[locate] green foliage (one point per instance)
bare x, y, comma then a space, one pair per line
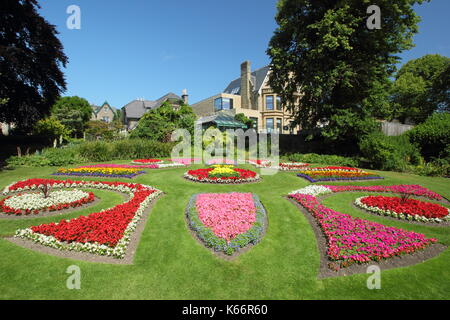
73, 112
323, 159
158, 124
101, 130
51, 128
421, 88
48, 157
342, 67
389, 153
433, 136
124, 149
243, 118
31, 59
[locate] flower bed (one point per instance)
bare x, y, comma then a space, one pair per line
147, 161
408, 209
36, 202
285, 166
105, 233
226, 222
135, 166
100, 171
352, 240
336, 174
221, 161
222, 174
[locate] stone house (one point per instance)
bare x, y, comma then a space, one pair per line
103, 113
251, 95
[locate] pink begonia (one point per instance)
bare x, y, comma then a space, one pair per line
412, 189
226, 214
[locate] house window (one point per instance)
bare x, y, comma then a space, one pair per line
269, 124
255, 123
223, 104
269, 103
279, 107
279, 125
105, 119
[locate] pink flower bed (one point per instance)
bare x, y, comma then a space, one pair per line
352, 240
186, 161
128, 166
226, 214
412, 189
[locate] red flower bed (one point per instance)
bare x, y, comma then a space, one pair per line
106, 227
147, 160
203, 174
409, 206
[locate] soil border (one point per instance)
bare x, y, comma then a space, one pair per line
394, 262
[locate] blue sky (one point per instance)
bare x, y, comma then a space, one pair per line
146, 48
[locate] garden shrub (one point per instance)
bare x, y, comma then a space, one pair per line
95, 150
389, 152
433, 136
48, 157
323, 159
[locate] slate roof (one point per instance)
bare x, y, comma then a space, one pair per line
257, 80
137, 108
222, 119
96, 108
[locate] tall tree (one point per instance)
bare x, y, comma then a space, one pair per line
73, 112
324, 50
421, 88
31, 57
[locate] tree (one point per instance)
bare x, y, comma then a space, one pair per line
422, 87
73, 112
324, 50
158, 124
96, 129
31, 57
51, 128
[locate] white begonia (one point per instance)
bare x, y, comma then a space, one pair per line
313, 190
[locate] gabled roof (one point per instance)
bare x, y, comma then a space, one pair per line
96, 108
137, 108
257, 79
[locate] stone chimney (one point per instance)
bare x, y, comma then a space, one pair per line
245, 85
184, 96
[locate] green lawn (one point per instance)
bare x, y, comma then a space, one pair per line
171, 264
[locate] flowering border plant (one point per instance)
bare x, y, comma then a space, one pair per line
147, 161
409, 209
225, 231
107, 232
353, 240
284, 166
104, 171
332, 173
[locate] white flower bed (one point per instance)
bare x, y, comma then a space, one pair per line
36, 201
312, 190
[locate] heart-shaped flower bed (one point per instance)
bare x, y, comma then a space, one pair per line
105, 233
222, 174
409, 209
36, 202
353, 240
226, 222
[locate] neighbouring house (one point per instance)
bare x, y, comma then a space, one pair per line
103, 113
222, 120
251, 95
134, 110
